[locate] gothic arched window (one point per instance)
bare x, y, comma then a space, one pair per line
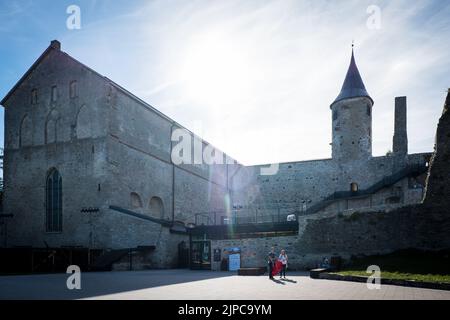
53, 203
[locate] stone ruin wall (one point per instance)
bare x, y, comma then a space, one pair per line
422, 226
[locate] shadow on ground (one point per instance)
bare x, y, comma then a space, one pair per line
289, 280
93, 284
278, 281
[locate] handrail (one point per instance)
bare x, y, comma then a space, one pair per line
236, 219
162, 222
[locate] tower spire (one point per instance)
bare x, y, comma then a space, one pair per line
353, 86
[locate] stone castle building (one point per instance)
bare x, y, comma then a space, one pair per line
88, 165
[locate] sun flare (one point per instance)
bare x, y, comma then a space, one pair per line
216, 69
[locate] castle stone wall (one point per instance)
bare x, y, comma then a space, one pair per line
45, 134
313, 181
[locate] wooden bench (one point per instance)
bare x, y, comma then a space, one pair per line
252, 271
314, 273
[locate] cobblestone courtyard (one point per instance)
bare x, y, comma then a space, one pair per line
199, 285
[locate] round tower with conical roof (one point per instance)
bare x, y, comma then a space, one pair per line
352, 118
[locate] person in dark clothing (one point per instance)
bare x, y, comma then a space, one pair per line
271, 261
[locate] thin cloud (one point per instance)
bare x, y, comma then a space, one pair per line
260, 75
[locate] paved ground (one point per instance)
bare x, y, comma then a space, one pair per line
199, 285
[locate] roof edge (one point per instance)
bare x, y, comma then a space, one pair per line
346, 98
54, 45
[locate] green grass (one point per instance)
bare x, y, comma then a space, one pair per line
401, 276
405, 265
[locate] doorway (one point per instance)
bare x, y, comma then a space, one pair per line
183, 255
200, 255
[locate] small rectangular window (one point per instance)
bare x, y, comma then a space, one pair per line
73, 89
54, 94
34, 97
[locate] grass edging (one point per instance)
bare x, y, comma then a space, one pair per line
395, 282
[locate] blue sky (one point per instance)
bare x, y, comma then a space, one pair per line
254, 78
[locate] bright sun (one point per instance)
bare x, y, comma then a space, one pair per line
216, 70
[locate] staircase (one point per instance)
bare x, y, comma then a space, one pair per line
388, 181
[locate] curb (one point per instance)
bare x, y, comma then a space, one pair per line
395, 282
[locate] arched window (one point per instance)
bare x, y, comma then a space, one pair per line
354, 187
34, 96
84, 123
25, 134
73, 89
136, 201
156, 207
53, 128
53, 203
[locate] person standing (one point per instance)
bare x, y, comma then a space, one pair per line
284, 261
271, 261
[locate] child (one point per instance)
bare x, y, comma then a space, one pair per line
284, 260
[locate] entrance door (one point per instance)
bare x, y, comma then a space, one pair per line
201, 254
183, 255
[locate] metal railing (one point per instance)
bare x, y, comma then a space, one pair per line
238, 217
253, 215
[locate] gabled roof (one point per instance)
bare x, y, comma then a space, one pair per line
54, 45
353, 86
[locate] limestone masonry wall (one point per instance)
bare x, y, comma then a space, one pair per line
111, 148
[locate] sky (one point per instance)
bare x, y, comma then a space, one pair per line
254, 78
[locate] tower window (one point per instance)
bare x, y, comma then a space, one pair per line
53, 202
354, 187
369, 110
34, 96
